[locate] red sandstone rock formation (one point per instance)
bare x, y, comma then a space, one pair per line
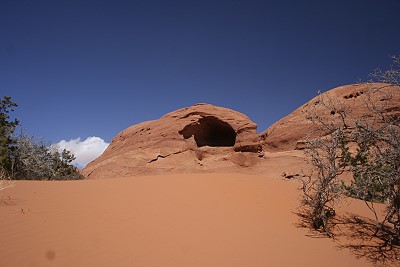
200, 138
290, 132
206, 138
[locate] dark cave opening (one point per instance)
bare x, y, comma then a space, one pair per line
210, 131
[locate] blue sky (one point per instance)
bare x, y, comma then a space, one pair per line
93, 68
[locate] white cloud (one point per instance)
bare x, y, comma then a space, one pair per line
84, 151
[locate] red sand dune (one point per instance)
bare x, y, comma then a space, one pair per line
167, 220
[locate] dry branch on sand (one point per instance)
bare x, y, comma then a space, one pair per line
5, 181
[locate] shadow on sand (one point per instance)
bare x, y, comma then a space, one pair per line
360, 236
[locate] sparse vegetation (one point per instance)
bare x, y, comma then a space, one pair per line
37, 160
321, 190
367, 146
23, 157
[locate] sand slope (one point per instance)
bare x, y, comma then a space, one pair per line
175, 220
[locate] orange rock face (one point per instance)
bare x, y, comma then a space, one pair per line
201, 138
290, 132
207, 138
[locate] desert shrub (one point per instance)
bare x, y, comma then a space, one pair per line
37, 160
376, 165
63, 165
24, 157
321, 190
367, 146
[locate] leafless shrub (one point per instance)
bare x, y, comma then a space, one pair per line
389, 76
5, 182
37, 160
32, 159
376, 162
366, 145
322, 189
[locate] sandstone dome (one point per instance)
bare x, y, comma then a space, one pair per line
290, 132
200, 138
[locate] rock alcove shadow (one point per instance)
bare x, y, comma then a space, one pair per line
210, 131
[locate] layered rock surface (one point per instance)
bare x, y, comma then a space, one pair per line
201, 138
207, 138
290, 132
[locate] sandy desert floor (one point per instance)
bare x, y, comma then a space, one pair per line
167, 220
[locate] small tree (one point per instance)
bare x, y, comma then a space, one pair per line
63, 164
7, 128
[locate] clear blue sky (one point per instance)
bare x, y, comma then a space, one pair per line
93, 68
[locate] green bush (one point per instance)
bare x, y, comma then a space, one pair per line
23, 157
